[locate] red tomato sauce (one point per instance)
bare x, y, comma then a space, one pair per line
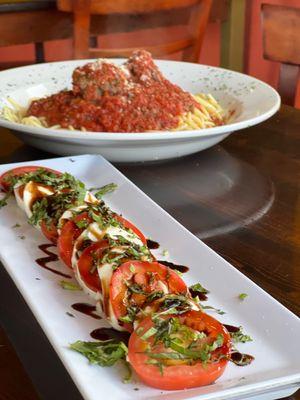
107, 98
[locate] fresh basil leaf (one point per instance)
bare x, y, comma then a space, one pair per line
109, 188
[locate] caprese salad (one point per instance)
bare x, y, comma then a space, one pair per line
173, 344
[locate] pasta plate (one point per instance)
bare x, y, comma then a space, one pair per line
246, 101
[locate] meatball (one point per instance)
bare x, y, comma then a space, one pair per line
95, 80
142, 68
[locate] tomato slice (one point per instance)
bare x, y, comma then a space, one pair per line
49, 231
127, 224
65, 240
86, 268
174, 373
134, 281
69, 233
4, 178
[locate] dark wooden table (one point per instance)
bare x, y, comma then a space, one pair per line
241, 197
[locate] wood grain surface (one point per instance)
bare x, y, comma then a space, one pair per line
241, 197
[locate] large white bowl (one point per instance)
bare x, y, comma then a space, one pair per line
251, 100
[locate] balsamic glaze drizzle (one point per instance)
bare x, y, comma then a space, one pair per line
151, 244
110, 333
43, 261
241, 359
236, 357
231, 328
87, 309
201, 296
178, 267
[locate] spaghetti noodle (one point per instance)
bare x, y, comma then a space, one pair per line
211, 115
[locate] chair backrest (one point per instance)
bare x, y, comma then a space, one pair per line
281, 42
106, 7
190, 43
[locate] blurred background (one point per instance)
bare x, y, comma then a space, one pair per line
256, 37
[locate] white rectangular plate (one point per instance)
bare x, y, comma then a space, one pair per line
275, 330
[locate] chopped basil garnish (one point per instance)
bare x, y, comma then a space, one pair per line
82, 224
131, 268
128, 376
109, 188
3, 201
150, 332
217, 310
198, 288
181, 343
105, 353
135, 288
242, 296
154, 296
240, 337
177, 303
39, 211
69, 285
131, 314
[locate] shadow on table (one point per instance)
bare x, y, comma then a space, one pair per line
210, 193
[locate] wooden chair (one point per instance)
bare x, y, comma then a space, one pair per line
190, 44
281, 42
21, 22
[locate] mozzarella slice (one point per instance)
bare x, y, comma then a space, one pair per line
114, 232
32, 192
95, 234
90, 198
18, 192
112, 317
69, 214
